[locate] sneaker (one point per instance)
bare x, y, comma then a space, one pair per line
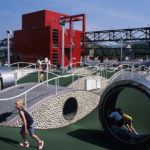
25, 144
41, 145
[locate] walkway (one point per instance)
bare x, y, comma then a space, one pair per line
33, 96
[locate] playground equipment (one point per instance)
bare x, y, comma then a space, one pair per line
6, 77
110, 99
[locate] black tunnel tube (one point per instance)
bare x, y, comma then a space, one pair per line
109, 98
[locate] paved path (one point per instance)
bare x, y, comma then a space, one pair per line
33, 96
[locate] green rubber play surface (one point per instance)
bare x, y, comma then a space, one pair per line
33, 77
87, 134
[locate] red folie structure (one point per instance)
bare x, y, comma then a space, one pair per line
41, 36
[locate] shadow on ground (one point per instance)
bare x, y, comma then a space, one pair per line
8, 141
13, 142
4, 116
100, 138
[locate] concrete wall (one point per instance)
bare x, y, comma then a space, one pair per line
49, 113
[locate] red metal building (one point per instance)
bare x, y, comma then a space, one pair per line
41, 36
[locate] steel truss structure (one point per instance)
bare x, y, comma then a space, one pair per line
131, 34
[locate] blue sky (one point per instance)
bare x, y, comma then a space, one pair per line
101, 14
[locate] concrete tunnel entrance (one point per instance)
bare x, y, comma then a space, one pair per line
139, 106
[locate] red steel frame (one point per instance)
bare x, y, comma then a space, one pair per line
36, 36
70, 20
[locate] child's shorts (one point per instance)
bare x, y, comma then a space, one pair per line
30, 128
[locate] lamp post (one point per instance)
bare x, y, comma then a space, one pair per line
129, 51
46, 61
62, 23
9, 34
121, 50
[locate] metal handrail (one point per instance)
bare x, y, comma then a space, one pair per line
38, 72
57, 78
32, 88
17, 63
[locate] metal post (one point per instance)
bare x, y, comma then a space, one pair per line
63, 42
8, 47
71, 55
56, 85
71, 42
0, 82
18, 65
25, 101
38, 76
62, 23
121, 50
132, 72
58, 81
46, 60
15, 75
78, 83
73, 80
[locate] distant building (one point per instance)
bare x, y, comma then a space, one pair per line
3, 50
41, 36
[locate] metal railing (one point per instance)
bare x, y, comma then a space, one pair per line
56, 84
34, 72
22, 65
56, 80
102, 68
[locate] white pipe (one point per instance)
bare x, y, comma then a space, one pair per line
63, 43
